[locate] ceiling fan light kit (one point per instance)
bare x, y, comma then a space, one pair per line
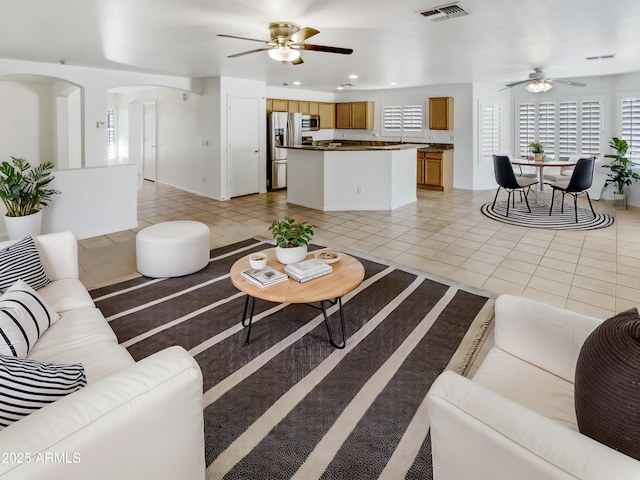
539, 86
284, 54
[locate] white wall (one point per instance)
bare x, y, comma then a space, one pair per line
94, 201
461, 135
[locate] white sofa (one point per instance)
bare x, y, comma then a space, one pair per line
133, 420
516, 418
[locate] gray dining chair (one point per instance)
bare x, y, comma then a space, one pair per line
578, 184
506, 178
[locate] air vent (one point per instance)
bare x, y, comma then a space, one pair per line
601, 57
444, 12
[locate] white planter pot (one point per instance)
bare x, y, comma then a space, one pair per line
20, 227
290, 255
620, 201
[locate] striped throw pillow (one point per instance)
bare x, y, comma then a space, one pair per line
22, 261
24, 317
27, 385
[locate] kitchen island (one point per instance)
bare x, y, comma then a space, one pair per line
352, 177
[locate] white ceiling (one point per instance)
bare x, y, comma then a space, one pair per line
500, 40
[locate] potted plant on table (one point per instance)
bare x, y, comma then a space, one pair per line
24, 192
538, 151
291, 238
621, 172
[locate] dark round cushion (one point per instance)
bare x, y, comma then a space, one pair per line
607, 388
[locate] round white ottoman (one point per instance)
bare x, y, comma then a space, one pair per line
172, 249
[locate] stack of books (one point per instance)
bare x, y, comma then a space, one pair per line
263, 277
307, 270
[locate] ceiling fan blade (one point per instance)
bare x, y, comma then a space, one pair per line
324, 48
245, 38
573, 84
509, 85
250, 51
301, 35
297, 61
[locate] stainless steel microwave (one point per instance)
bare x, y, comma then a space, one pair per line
310, 123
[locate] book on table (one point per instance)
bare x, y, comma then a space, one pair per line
307, 270
264, 276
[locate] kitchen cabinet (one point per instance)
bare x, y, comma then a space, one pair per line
293, 106
355, 115
327, 112
269, 105
441, 113
279, 105
435, 170
303, 107
314, 108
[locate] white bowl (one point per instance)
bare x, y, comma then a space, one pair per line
327, 255
258, 260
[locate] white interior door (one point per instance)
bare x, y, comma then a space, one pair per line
149, 144
243, 127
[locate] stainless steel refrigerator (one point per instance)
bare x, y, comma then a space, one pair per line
284, 129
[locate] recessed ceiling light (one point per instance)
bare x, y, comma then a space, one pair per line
353, 77
393, 83
296, 83
340, 88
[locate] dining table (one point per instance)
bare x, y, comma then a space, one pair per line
539, 165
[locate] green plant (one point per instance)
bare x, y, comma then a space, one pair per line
289, 233
621, 172
536, 147
23, 189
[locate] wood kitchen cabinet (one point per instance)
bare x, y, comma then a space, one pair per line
278, 105
293, 106
269, 105
355, 115
314, 108
441, 113
435, 170
327, 112
303, 107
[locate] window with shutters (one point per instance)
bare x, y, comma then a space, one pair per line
631, 126
111, 135
492, 134
563, 127
403, 120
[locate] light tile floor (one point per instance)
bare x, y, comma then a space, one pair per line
596, 272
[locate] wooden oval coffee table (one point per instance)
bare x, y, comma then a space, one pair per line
347, 274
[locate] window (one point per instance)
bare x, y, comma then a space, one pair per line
407, 119
563, 127
492, 131
631, 126
111, 135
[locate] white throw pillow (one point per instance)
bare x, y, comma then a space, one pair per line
24, 317
27, 385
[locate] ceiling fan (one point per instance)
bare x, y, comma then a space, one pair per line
286, 43
538, 82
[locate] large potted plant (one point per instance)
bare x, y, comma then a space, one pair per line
621, 174
291, 238
24, 191
538, 151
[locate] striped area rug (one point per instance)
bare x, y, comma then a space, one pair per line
288, 405
540, 218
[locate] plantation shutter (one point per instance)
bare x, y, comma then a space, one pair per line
590, 127
111, 135
526, 126
490, 131
412, 118
392, 118
631, 126
547, 127
568, 129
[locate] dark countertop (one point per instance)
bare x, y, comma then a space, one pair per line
364, 145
